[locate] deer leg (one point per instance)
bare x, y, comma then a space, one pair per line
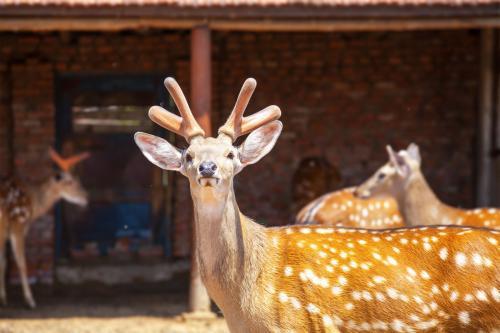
3, 262
17, 242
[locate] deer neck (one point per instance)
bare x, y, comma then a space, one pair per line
43, 197
230, 247
419, 205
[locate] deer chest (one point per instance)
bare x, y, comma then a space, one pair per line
15, 202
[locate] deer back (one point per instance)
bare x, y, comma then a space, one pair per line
342, 208
442, 279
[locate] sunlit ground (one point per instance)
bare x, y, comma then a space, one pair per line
109, 312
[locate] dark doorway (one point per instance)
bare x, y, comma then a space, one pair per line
129, 212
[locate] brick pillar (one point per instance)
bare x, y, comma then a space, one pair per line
33, 117
5, 122
200, 103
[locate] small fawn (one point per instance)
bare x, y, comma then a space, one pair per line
343, 209
305, 279
402, 179
21, 205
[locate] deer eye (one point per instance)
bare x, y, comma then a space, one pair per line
381, 175
230, 155
189, 158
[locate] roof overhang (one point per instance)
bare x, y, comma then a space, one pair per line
254, 18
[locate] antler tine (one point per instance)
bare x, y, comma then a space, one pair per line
66, 164
233, 123
75, 159
237, 125
56, 158
186, 125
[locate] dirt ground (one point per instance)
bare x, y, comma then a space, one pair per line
109, 313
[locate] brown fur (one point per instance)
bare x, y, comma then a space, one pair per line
20, 206
342, 208
402, 179
317, 279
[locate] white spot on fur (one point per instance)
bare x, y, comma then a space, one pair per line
283, 297
495, 294
460, 259
327, 320
336, 290
295, 303
481, 295
443, 253
464, 318
311, 308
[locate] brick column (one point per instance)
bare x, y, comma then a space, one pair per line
200, 103
33, 117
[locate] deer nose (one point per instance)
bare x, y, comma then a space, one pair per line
207, 168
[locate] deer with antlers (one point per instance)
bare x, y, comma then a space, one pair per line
21, 205
313, 278
401, 178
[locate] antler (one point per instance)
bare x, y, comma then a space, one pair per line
67, 163
185, 125
237, 125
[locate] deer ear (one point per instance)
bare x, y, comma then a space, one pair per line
414, 152
259, 142
398, 162
158, 151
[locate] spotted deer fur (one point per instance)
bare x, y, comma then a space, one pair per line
402, 179
343, 209
318, 279
21, 205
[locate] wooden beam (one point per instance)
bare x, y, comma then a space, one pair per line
119, 24
485, 121
201, 97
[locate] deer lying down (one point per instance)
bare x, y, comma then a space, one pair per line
402, 179
317, 279
21, 205
343, 209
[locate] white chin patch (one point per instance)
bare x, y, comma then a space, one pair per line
205, 181
77, 201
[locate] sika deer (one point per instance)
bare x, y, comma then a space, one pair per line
343, 209
402, 179
305, 279
21, 205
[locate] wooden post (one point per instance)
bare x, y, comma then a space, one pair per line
485, 121
496, 180
201, 96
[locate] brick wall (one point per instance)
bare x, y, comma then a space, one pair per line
343, 95
347, 95
5, 90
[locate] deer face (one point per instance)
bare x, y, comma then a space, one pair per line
391, 178
211, 163
65, 184
70, 189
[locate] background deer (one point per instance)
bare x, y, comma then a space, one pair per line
402, 179
304, 279
21, 205
343, 208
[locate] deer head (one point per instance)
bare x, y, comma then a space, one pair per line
65, 184
391, 178
211, 163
